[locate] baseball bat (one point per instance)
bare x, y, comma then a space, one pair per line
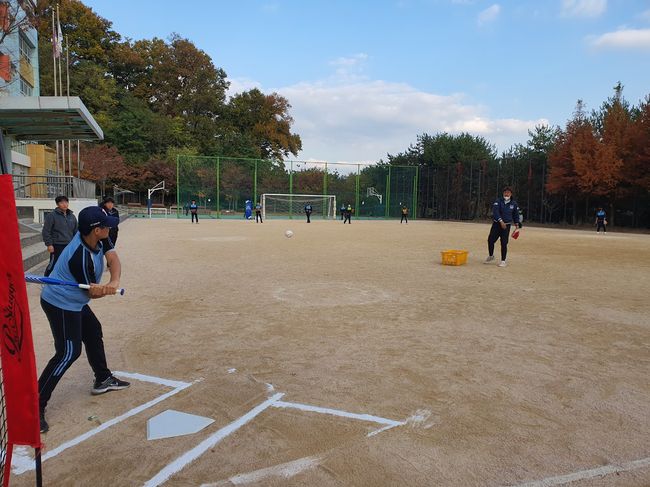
59, 282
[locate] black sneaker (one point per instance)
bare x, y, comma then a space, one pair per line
44, 426
110, 384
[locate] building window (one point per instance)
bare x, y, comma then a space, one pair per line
26, 49
25, 88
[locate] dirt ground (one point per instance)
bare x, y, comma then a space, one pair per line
501, 376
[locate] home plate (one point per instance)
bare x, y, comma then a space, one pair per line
172, 423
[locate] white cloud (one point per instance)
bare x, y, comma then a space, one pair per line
583, 8
623, 39
350, 67
239, 85
490, 14
362, 121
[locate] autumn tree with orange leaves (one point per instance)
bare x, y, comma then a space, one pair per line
602, 158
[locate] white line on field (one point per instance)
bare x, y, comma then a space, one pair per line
338, 412
376, 432
153, 379
188, 457
588, 474
23, 467
284, 470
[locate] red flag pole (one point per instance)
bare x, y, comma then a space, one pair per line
19, 385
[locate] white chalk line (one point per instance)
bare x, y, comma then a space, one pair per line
191, 455
153, 379
274, 401
588, 474
337, 412
284, 470
23, 466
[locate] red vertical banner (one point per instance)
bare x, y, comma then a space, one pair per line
17, 348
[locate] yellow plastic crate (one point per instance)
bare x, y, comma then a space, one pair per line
454, 257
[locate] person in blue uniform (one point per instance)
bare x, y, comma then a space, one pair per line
505, 214
601, 220
194, 210
71, 320
308, 210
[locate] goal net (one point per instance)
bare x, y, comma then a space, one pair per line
287, 205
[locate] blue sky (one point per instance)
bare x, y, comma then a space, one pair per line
364, 78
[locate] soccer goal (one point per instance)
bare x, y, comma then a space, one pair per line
287, 205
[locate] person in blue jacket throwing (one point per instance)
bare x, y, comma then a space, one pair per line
505, 213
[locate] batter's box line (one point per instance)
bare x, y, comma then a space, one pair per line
388, 423
274, 401
23, 462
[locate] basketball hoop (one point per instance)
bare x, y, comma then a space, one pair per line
373, 192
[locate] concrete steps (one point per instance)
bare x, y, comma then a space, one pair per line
35, 253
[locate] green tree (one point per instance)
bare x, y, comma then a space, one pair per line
90, 38
262, 123
141, 134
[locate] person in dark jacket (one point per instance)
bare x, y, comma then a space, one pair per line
108, 204
194, 210
505, 213
601, 220
348, 215
405, 214
58, 230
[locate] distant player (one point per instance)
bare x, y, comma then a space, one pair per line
71, 320
258, 213
601, 220
348, 215
108, 204
308, 210
405, 215
342, 211
194, 210
505, 213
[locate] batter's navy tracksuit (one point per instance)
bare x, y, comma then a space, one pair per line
71, 319
507, 213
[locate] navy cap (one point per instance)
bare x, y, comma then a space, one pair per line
95, 217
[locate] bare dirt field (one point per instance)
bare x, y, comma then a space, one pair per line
536, 374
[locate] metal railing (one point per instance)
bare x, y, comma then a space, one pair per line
52, 186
